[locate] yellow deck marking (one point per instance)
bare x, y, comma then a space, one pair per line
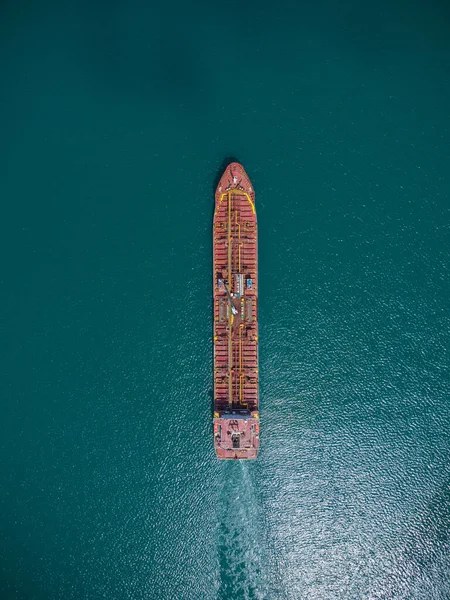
238, 192
230, 372
231, 316
240, 365
229, 240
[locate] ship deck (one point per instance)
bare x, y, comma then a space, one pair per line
235, 316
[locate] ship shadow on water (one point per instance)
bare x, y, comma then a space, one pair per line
241, 544
211, 404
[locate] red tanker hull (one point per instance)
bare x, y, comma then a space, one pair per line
235, 273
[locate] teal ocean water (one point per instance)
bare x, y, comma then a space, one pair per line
115, 122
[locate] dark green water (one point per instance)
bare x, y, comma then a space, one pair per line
115, 120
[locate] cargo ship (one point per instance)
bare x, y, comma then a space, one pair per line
235, 281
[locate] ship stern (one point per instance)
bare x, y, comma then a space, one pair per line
236, 436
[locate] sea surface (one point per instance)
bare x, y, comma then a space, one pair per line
116, 120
